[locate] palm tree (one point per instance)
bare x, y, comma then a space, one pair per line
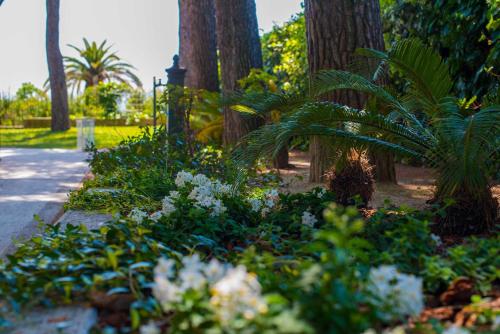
57, 80
96, 63
460, 143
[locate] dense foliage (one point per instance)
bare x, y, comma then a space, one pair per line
465, 33
29, 101
285, 54
190, 251
426, 122
109, 100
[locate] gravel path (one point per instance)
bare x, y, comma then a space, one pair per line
34, 181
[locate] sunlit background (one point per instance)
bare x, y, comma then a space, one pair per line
144, 32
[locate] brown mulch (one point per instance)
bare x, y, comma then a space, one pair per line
454, 304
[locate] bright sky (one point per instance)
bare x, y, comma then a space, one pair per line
143, 32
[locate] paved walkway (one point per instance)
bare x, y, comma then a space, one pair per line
34, 181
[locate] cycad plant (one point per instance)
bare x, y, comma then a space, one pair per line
97, 63
460, 143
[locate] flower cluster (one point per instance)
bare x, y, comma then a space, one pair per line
233, 291
206, 194
137, 215
167, 205
309, 219
319, 192
238, 292
400, 294
265, 204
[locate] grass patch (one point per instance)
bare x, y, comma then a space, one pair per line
105, 136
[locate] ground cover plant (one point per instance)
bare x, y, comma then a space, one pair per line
189, 250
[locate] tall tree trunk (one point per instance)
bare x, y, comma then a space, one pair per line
240, 51
198, 46
58, 89
335, 29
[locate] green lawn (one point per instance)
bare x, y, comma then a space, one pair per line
105, 136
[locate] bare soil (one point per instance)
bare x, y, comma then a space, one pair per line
415, 184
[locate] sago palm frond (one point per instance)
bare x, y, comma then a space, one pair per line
331, 80
424, 68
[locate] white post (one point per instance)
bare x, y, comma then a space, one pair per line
85, 135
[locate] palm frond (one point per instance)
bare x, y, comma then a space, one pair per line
422, 66
331, 80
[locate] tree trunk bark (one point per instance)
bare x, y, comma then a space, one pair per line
335, 29
282, 161
384, 170
57, 77
198, 45
240, 51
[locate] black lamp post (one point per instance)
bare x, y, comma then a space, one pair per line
175, 86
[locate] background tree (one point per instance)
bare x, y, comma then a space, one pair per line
198, 45
284, 52
335, 29
239, 49
57, 79
95, 64
464, 32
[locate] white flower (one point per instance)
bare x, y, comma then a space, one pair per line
320, 192
150, 328
205, 198
182, 178
192, 262
256, 204
191, 278
201, 180
221, 188
166, 292
167, 206
437, 240
269, 203
200, 192
272, 193
238, 292
156, 216
214, 271
456, 330
234, 291
271, 198
174, 194
399, 293
137, 215
308, 219
165, 268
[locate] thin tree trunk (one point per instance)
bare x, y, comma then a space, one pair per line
198, 46
57, 77
240, 51
335, 29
